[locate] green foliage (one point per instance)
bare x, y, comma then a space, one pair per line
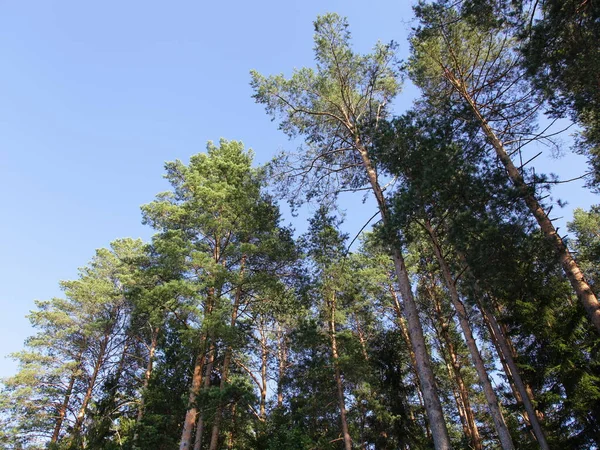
112, 363
332, 107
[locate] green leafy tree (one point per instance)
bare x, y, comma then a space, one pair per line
480, 68
336, 109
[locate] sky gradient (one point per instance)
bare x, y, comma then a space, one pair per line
96, 96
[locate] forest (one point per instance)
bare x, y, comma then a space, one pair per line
460, 317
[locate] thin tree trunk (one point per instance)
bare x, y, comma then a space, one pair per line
363, 412
361, 338
147, 375
192, 412
65, 404
207, 338
462, 413
503, 347
92, 383
484, 380
508, 355
413, 359
264, 354
571, 268
431, 398
209, 369
461, 394
233, 427
338, 375
282, 363
214, 439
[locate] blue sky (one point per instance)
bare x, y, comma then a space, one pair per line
95, 96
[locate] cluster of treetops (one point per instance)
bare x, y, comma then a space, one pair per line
464, 319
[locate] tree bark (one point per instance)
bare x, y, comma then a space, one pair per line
282, 363
92, 383
461, 312
264, 354
361, 339
503, 348
209, 369
413, 358
431, 398
147, 375
454, 368
192, 412
214, 439
65, 404
337, 373
571, 268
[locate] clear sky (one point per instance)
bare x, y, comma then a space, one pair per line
95, 96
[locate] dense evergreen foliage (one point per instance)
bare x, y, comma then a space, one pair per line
461, 320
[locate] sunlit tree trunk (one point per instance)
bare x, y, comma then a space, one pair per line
192, 412
281, 362
569, 265
210, 360
214, 440
91, 384
65, 404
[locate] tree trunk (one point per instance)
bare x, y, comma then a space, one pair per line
337, 374
65, 404
92, 383
264, 354
503, 348
413, 359
147, 375
282, 363
484, 380
569, 265
233, 427
431, 399
214, 439
209, 368
192, 412
361, 338
461, 393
